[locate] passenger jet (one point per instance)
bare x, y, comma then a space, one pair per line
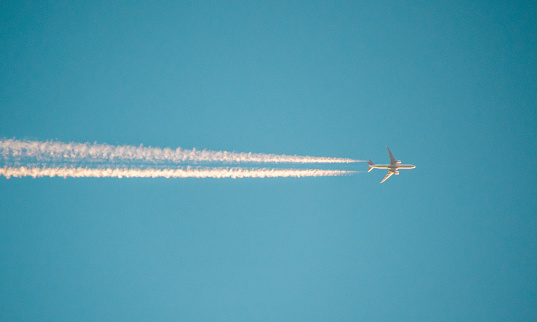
393, 167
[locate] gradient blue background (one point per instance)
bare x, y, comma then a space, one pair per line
450, 87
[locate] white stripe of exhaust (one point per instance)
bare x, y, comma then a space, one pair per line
167, 173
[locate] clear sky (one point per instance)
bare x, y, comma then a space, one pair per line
450, 87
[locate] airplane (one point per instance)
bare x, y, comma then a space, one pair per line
393, 167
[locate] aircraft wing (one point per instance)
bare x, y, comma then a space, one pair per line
392, 159
390, 173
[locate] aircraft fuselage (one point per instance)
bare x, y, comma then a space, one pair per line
393, 167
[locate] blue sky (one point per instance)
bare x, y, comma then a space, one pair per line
449, 87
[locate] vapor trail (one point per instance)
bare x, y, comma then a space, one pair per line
166, 173
53, 151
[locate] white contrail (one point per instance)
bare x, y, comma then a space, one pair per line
166, 173
52, 151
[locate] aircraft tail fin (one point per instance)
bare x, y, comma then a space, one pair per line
370, 166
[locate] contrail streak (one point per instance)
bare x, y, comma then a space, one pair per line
53, 151
166, 173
